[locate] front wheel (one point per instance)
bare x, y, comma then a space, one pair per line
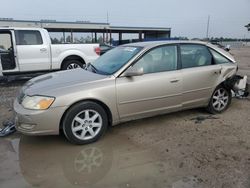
73, 64
220, 100
84, 123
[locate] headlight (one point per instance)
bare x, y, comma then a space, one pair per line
37, 102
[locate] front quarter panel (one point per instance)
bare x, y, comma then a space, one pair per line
102, 91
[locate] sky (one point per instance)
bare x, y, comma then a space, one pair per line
187, 18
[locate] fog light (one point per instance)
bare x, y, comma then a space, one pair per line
27, 126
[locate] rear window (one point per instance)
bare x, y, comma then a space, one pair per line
218, 58
28, 37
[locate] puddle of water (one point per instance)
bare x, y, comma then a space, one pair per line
10, 175
114, 161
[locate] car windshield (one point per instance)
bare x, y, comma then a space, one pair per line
114, 59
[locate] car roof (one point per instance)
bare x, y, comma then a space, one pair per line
152, 44
157, 43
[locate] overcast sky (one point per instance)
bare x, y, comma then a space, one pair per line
185, 17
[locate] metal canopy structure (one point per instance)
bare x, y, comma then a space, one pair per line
85, 26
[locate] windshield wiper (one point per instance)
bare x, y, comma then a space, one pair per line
93, 68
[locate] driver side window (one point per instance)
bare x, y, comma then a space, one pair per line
5, 42
160, 59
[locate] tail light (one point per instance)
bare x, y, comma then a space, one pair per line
98, 50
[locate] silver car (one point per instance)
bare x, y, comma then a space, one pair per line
129, 82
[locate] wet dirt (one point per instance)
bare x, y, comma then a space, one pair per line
172, 151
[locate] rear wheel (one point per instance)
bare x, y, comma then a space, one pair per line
220, 100
72, 64
85, 122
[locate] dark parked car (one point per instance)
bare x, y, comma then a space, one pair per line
104, 48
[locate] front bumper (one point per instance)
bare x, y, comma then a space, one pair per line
38, 122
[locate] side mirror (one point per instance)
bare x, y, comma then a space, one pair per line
131, 71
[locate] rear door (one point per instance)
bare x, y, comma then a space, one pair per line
200, 74
32, 51
157, 91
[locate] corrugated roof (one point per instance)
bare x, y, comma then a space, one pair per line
81, 25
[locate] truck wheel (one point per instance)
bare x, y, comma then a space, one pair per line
73, 64
220, 100
85, 122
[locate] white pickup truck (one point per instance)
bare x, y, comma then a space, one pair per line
29, 50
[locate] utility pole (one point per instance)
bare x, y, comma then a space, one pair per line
107, 17
106, 39
208, 23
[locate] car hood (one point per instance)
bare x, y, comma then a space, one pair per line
58, 80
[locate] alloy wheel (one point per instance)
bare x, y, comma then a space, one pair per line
220, 99
73, 66
86, 124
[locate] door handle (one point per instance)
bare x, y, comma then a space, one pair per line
43, 49
217, 72
174, 80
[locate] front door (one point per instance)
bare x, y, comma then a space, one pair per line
33, 53
7, 51
157, 91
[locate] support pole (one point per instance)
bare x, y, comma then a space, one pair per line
120, 38
140, 36
95, 37
110, 37
71, 36
64, 39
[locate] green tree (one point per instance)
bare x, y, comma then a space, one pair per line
100, 39
55, 41
68, 39
88, 39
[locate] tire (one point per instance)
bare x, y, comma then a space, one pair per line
85, 123
220, 100
72, 64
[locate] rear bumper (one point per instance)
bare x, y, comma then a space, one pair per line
38, 122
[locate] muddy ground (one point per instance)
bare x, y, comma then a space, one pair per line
188, 149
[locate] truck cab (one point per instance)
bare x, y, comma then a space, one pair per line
7, 51
29, 50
